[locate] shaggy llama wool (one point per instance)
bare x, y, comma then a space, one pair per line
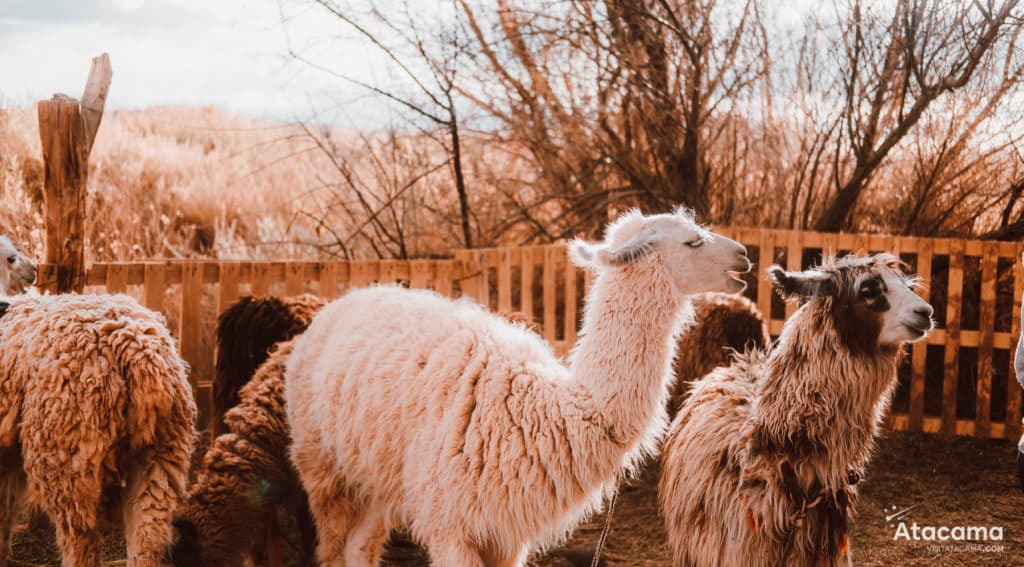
760, 465
410, 409
96, 423
246, 331
723, 324
245, 476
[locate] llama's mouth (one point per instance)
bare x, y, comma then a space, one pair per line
917, 332
736, 280
736, 271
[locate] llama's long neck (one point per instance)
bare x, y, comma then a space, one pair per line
621, 365
821, 405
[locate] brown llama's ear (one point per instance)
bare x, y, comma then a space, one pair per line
802, 285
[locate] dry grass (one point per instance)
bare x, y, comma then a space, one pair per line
171, 182
165, 182
175, 182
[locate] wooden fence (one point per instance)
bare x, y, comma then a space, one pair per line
958, 381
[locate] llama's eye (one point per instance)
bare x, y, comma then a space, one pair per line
11, 259
870, 290
696, 243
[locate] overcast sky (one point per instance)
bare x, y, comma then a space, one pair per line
229, 53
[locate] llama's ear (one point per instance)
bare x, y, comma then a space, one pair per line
583, 254
806, 284
638, 246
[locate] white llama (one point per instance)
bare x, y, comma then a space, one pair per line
410, 409
17, 272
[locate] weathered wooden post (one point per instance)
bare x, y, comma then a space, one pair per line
67, 129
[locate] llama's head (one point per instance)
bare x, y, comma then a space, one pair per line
694, 258
870, 300
17, 272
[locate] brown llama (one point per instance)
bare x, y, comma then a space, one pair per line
245, 477
246, 331
760, 466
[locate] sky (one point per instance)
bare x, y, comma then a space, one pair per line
232, 54
228, 53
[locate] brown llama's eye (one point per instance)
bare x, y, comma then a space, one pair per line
11, 259
870, 289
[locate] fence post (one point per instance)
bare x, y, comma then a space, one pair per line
67, 130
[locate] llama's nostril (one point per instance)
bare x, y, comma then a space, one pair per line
925, 311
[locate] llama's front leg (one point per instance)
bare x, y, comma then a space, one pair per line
446, 551
367, 537
12, 498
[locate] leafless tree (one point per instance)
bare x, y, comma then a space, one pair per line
426, 58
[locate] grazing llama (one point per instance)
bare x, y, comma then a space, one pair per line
411, 409
246, 332
723, 324
96, 423
245, 476
760, 465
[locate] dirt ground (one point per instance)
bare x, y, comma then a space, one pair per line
954, 481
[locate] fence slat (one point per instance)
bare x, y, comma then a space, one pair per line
548, 282
986, 326
794, 260
190, 320
766, 256
1013, 394
526, 282
504, 280
328, 285
570, 300
294, 278
117, 278
260, 283
443, 279
483, 290
951, 358
419, 274
154, 286
920, 350
227, 287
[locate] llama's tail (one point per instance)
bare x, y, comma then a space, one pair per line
245, 333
